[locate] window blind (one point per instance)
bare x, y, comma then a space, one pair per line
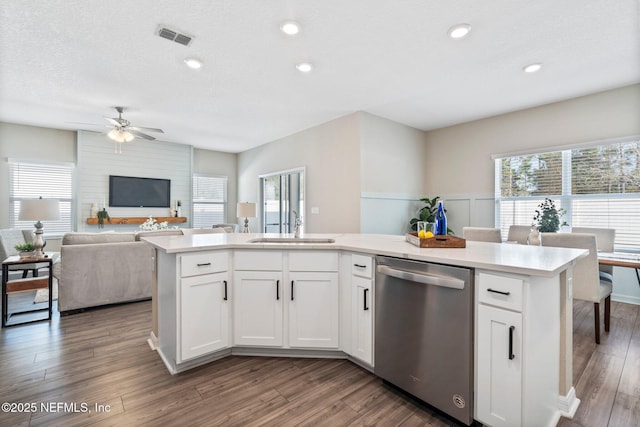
209, 200
31, 180
597, 186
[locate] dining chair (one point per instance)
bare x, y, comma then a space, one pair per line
519, 233
482, 234
587, 285
604, 241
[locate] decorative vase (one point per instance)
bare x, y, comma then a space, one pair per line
534, 239
94, 210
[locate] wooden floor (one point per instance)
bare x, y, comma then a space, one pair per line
100, 362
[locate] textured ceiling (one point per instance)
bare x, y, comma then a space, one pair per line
65, 62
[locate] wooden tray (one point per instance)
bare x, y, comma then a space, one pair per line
436, 242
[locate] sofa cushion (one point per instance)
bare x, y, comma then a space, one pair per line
170, 232
92, 238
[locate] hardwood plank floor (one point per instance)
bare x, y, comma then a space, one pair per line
101, 357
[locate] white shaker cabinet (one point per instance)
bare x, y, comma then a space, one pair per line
517, 342
313, 299
362, 307
203, 309
204, 320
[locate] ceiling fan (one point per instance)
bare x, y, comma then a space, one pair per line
123, 131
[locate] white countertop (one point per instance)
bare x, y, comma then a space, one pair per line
505, 257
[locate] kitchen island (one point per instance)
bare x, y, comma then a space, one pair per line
252, 294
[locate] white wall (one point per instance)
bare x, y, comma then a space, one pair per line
393, 161
330, 154
464, 170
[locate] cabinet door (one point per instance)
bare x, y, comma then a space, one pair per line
313, 309
257, 315
362, 319
499, 370
204, 315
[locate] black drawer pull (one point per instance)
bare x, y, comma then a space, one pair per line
366, 307
360, 265
511, 355
292, 290
498, 292
225, 290
204, 264
277, 290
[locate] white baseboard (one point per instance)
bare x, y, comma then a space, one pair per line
152, 341
568, 404
629, 299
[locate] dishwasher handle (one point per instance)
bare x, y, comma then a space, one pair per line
446, 282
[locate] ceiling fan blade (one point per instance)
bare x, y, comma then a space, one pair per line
112, 121
146, 129
140, 134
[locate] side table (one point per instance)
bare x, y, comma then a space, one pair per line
28, 284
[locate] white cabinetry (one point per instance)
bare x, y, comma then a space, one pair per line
258, 297
203, 298
517, 341
313, 300
362, 307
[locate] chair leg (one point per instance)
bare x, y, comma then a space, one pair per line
35, 272
596, 313
607, 312
24, 273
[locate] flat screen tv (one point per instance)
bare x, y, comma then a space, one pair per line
129, 191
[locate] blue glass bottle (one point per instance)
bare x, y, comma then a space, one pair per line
441, 220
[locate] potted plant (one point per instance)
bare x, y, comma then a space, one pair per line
25, 250
547, 217
427, 213
102, 215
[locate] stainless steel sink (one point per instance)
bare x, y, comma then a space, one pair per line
291, 240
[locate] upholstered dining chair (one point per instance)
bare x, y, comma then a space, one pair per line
482, 234
604, 241
587, 285
519, 233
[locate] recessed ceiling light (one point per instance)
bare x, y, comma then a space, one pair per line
193, 63
290, 28
532, 68
459, 31
304, 67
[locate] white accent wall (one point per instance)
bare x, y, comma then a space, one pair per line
145, 159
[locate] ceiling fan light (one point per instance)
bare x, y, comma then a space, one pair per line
119, 135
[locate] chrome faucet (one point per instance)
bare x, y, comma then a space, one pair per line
297, 223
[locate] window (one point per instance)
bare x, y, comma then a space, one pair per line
209, 200
32, 180
597, 186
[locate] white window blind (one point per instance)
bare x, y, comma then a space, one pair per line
31, 180
597, 186
209, 200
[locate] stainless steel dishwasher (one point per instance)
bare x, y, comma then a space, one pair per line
424, 332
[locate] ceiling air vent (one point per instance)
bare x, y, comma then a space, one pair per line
175, 36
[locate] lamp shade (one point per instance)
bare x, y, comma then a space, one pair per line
246, 210
39, 210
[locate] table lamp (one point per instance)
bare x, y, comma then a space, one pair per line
39, 210
246, 210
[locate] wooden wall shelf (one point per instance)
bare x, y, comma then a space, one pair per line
138, 220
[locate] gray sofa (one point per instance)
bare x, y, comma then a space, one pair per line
107, 268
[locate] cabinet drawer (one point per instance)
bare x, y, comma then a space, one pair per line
500, 291
362, 265
262, 260
313, 261
203, 263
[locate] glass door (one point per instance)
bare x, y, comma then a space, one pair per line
282, 194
